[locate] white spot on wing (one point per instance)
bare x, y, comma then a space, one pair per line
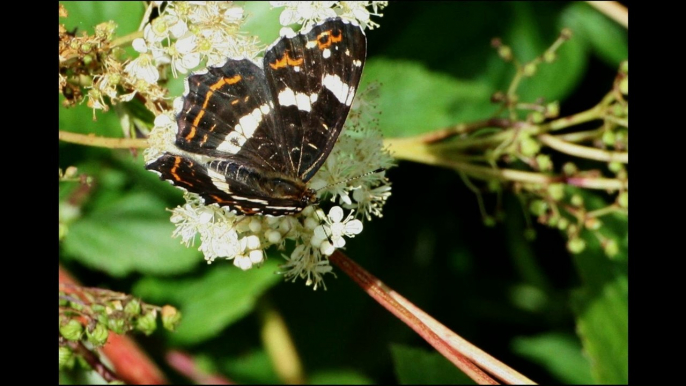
303, 101
326, 54
339, 89
233, 142
357, 63
218, 180
265, 109
287, 97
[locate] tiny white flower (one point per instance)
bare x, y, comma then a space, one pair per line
242, 262
140, 45
142, 68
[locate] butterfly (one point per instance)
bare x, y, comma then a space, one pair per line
251, 137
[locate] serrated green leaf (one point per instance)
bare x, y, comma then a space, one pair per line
415, 366
559, 353
415, 100
223, 295
608, 39
128, 234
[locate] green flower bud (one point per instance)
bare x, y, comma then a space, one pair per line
117, 325
624, 67
505, 52
553, 220
593, 223
133, 308
538, 207
615, 166
529, 146
71, 330
576, 245
98, 336
611, 248
609, 138
562, 224
170, 317
86, 48
489, 221
569, 169
530, 69
549, 56
556, 191
97, 308
146, 323
537, 117
530, 234
577, 200
66, 360
623, 199
624, 86
552, 109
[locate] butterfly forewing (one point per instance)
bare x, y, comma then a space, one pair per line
314, 76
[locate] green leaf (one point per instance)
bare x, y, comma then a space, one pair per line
608, 39
252, 367
552, 81
415, 366
416, 100
601, 304
85, 15
263, 21
559, 353
126, 234
212, 302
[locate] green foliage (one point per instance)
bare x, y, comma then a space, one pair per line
204, 299
568, 363
416, 366
125, 235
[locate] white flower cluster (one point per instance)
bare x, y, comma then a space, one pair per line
308, 13
349, 179
188, 32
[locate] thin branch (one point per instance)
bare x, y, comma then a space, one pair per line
94, 362
455, 349
186, 365
463, 128
584, 151
111, 143
613, 10
427, 155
